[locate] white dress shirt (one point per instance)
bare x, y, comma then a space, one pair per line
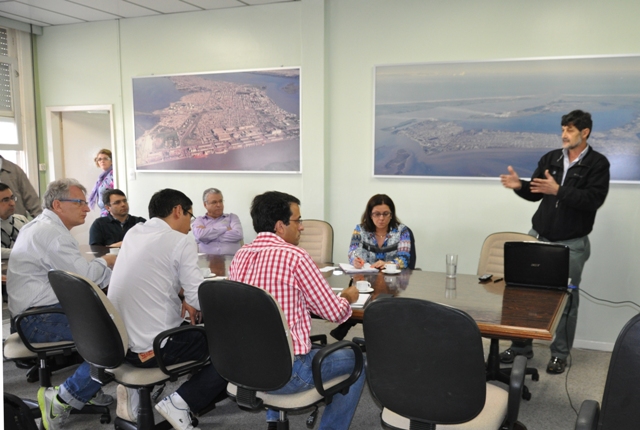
154, 262
46, 244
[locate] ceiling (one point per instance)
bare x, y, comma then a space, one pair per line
60, 12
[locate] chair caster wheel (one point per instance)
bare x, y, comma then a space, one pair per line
105, 418
526, 395
535, 377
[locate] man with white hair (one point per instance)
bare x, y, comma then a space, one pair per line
46, 244
217, 232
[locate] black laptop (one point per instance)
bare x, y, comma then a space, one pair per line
536, 265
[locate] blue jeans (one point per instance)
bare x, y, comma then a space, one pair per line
79, 388
338, 414
204, 386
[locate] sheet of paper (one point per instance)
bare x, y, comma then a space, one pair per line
348, 268
362, 299
328, 269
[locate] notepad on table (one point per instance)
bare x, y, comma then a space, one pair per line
361, 302
348, 268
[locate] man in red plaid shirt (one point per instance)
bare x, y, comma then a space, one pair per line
274, 262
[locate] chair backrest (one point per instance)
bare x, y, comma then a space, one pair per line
492, 253
96, 326
445, 381
413, 255
621, 394
317, 240
17, 415
248, 336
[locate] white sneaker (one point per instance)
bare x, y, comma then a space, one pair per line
53, 413
128, 403
176, 411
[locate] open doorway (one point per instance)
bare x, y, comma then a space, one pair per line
75, 134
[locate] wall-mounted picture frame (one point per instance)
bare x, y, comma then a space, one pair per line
236, 121
473, 119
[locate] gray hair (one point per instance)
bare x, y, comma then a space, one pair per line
59, 190
210, 191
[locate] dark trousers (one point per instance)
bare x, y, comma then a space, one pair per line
203, 387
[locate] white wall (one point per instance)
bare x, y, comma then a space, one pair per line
337, 43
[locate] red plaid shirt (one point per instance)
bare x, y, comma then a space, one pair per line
290, 275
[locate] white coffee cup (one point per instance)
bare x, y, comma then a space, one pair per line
363, 285
114, 251
206, 272
390, 268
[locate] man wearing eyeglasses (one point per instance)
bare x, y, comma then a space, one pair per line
159, 264
217, 232
46, 244
11, 222
275, 263
111, 229
12, 175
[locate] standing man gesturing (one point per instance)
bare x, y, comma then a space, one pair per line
572, 183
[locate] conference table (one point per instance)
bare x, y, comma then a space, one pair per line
500, 312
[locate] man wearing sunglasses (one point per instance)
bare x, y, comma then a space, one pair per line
11, 222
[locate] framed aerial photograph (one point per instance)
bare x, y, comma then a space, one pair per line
473, 119
241, 121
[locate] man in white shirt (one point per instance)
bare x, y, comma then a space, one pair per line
46, 244
11, 222
156, 262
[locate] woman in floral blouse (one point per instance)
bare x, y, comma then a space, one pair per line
380, 238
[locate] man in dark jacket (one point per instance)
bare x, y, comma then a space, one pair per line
572, 183
110, 230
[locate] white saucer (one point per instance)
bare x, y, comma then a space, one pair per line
213, 275
368, 290
386, 272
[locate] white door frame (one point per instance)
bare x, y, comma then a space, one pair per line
53, 119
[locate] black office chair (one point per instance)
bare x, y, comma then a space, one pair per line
102, 341
17, 414
425, 365
48, 356
621, 400
250, 346
413, 255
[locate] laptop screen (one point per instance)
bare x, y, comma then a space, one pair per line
536, 264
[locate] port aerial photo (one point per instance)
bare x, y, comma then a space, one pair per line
474, 119
233, 121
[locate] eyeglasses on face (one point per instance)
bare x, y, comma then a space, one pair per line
7, 199
380, 214
192, 215
215, 202
298, 221
78, 201
103, 159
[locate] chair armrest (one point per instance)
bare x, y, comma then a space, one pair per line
516, 385
181, 369
68, 346
342, 387
588, 415
361, 343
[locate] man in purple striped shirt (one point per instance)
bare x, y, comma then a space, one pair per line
217, 232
